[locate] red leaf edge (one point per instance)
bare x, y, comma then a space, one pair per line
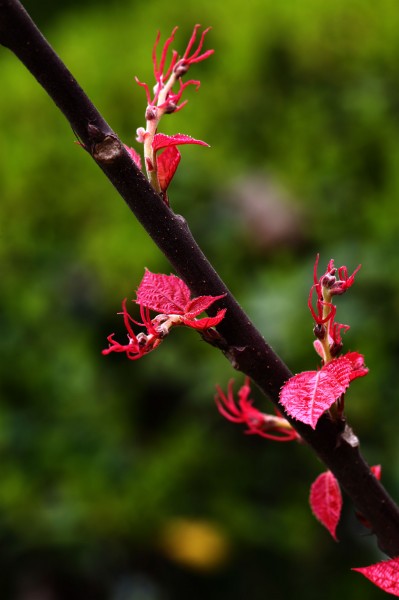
197, 305
325, 500
135, 156
161, 140
307, 395
384, 575
163, 293
206, 322
167, 163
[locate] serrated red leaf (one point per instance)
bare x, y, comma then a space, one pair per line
167, 163
308, 395
384, 575
206, 322
166, 294
169, 295
326, 501
197, 305
359, 369
161, 140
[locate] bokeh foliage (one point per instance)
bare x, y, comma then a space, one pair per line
112, 471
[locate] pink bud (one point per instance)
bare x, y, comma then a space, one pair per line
151, 113
140, 135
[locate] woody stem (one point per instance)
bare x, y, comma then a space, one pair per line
240, 341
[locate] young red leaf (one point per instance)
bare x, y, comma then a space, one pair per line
166, 294
167, 163
135, 156
308, 395
376, 471
359, 369
197, 305
206, 322
169, 295
326, 501
161, 140
384, 575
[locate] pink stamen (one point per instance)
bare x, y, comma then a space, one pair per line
159, 73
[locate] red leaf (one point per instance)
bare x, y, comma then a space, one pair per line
167, 163
169, 295
326, 501
308, 395
376, 471
206, 322
134, 155
384, 575
359, 369
161, 140
199, 304
166, 294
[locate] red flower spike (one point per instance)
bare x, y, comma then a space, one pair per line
147, 91
334, 281
320, 304
308, 395
195, 57
183, 65
140, 344
326, 501
167, 76
344, 281
158, 70
384, 575
336, 286
272, 427
133, 351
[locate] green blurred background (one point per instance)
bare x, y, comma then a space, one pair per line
120, 480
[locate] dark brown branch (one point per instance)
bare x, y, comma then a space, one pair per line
240, 341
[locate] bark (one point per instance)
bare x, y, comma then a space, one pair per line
240, 341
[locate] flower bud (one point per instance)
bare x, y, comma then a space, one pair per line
140, 135
336, 348
328, 280
319, 331
151, 113
181, 68
142, 339
170, 108
338, 288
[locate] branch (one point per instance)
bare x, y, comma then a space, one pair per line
240, 341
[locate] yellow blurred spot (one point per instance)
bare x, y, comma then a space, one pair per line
194, 543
